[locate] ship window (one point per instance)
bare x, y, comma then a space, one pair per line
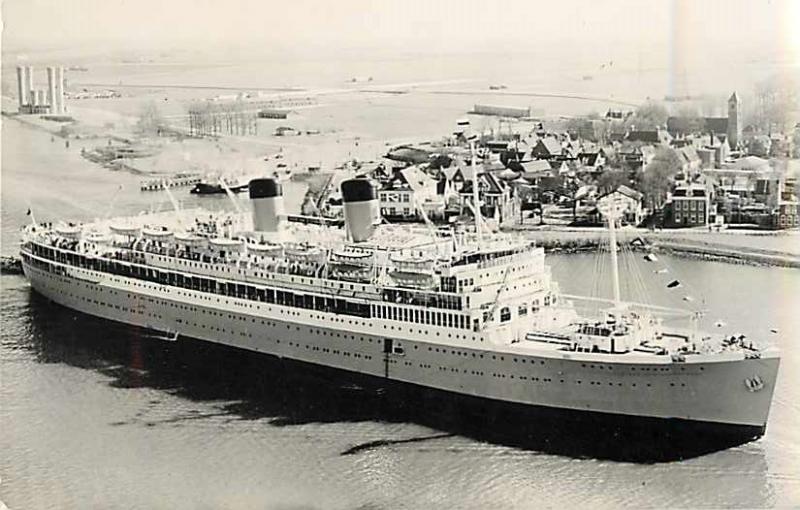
505, 314
523, 310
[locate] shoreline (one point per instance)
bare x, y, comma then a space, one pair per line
570, 242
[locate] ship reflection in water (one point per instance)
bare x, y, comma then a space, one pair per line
89, 396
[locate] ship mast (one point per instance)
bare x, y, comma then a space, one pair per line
476, 208
612, 210
612, 231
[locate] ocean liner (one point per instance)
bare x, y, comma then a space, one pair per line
463, 311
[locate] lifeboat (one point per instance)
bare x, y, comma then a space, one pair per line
226, 243
68, 231
352, 265
265, 249
189, 239
304, 252
359, 258
413, 280
125, 230
412, 263
157, 233
96, 237
413, 271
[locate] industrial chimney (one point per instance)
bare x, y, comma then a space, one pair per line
51, 90
29, 82
60, 108
267, 197
361, 212
22, 86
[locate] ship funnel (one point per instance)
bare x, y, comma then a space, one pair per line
267, 197
361, 212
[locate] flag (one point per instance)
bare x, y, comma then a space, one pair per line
651, 258
673, 284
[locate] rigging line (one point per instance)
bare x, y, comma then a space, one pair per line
639, 282
594, 289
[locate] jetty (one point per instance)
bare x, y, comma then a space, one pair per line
178, 180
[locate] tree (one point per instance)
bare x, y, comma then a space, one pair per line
796, 144
650, 115
611, 179
150, 120
655, 180
775, 101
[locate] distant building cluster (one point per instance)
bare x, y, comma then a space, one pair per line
41, 101
679, 172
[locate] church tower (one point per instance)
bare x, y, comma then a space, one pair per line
734, 121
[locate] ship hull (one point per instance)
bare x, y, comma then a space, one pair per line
674, 402
311, 392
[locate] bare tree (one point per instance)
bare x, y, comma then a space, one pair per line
656, 179
650, 115
150, 121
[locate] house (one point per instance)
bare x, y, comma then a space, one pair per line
753, 163
650, 136
593, 162
626, 199
559, 166
690, 203
783, 202
617, 115
690, 160
533, 171
547, 148
636, 155
706, 155
496, 198
406, 191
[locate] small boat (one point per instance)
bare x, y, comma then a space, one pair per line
213, 186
